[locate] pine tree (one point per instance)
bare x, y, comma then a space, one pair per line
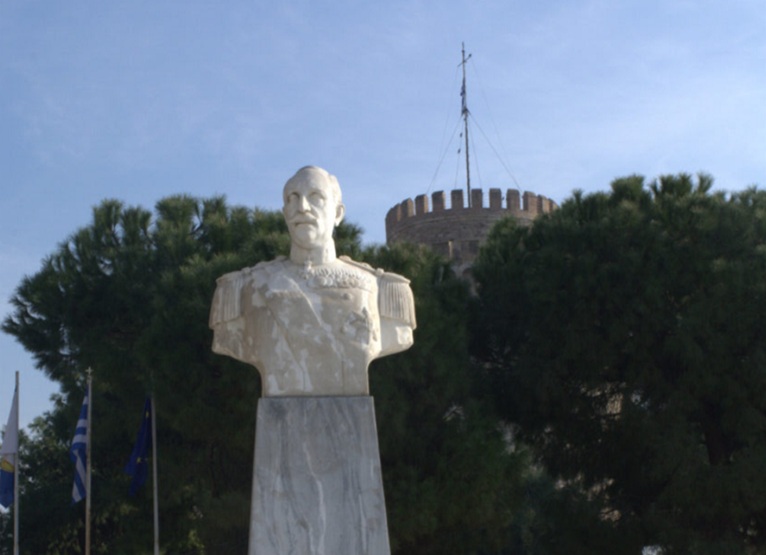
623, 337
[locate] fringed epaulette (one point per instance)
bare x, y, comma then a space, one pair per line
395, 299
226, 303
227, 300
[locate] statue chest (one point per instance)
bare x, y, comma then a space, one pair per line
315, 303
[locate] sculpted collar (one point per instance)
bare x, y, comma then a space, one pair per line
337, 275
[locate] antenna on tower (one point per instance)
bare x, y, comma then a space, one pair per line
465, 112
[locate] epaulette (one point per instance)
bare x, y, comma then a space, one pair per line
395, 298
226, 301
227, 304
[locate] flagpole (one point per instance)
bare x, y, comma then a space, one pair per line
154, 481
87, 462
16, 472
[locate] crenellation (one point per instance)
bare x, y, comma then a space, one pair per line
513, 198
457, 231
477, 199
495, 199
456, 197
530, 203
439, 201
393, 216
408, 208
421, 205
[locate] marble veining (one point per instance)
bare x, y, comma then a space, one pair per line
317, 487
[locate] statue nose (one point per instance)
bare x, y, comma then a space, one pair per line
303, 204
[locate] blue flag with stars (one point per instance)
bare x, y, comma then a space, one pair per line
138, 465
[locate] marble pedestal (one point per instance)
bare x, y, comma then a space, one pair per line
317, 487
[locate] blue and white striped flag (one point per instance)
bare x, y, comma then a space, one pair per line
78, 453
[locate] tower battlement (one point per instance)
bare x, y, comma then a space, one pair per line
457, 230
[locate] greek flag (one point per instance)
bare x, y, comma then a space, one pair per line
78, 453
9, 453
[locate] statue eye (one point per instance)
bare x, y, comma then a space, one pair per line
317, 199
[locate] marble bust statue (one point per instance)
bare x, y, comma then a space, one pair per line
313, 322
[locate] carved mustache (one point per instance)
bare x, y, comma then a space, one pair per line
303, 220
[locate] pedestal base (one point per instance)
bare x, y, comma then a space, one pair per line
317, 487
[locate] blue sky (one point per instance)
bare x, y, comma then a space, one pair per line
143, 99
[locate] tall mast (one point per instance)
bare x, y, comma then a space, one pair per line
463, 95
155, 487
88, 464
16, 474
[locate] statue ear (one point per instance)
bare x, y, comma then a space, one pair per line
340, 212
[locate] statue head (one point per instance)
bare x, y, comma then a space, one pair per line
312, 207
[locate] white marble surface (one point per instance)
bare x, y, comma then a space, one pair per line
317, 486
313, 322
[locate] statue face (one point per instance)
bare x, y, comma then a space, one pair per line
311, 210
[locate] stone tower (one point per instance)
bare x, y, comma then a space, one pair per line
456, 231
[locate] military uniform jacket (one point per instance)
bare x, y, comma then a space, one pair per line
312, 330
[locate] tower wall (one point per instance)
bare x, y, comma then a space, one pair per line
456, 231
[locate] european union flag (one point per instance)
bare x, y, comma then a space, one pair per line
138, 466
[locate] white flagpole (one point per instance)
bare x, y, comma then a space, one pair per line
16, 472
154, 481
87, 462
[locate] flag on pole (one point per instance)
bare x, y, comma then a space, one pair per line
78, 453
9, 453
137, 465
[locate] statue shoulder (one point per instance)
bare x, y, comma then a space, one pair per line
387, 277
361, 266
228, 292
395, 298
263, 270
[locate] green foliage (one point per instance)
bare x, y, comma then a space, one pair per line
623, 336
451, 484
129, 296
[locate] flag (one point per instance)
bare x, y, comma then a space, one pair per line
78, 453
137, 465
8, 453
